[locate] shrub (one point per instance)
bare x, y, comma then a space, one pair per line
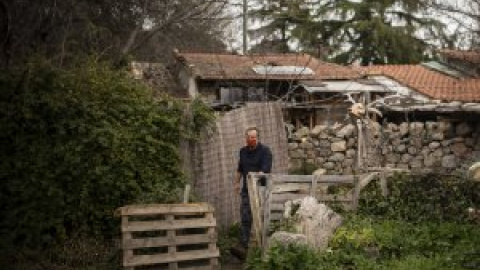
418, 198
78, 143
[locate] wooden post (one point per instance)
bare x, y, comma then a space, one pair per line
126, 236
186, 193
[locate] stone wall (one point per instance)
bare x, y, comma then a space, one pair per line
440, 146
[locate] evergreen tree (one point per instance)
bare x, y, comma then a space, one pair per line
281, 21
374, 31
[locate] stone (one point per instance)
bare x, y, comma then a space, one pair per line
324, 143
339, 146
392, 127
406, 158
315, 132
430, 161
416, 163
306, 145
349, 162
473, 172
437, 136
329, 165
416, 128
434, 145
319, 171
350, 153
438, 153
287, 238
303, 132
401, 148
310, 153
319, 160
463, 129
317, 222
351, 142
459, 149
470, 142
403, 128
449, 162
292, 146
324, 152
446, 142
412, 150
337, 157
346, 131
299, 153
431, 126
392, 158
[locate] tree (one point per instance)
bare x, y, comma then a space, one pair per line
466, 15
110, 29
281, 24
375, 32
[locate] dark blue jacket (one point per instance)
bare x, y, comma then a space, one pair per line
254, 160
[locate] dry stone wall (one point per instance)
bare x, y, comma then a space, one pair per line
419, 146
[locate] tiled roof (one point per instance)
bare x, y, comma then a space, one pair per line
240, 67
434, 84
472, 57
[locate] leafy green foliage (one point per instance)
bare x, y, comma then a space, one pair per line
285, 257
422, 198
78, 143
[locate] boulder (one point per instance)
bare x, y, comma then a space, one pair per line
316, 221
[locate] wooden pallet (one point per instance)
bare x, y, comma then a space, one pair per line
169, 236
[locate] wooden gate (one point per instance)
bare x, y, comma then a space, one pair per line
169, 236
267, 202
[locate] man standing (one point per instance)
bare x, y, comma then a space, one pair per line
254, 157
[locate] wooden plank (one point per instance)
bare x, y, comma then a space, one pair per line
283, 197
127, 254
139, 260
336, 179
285, 178
212, 246
290, 187
165, 241
172, 249
253, 195
156, 209
139, 226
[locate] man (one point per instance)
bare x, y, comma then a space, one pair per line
254, 157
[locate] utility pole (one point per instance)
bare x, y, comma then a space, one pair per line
245, 10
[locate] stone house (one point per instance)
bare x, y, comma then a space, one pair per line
312, 91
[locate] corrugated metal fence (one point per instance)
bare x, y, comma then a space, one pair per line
215, 157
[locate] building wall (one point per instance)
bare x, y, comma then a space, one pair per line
419, 146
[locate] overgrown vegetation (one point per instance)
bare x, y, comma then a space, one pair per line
77, 143
422, 224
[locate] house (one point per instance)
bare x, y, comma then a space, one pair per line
449, 87
312, 91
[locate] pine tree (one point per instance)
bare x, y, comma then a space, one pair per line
374, 31
281, 21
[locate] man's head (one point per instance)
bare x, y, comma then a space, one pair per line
251, 137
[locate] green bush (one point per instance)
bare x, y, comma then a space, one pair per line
285, 257
419, 198
76, 144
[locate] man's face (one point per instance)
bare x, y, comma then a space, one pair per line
252, 138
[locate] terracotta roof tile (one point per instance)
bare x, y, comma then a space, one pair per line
229, 66
430, 83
